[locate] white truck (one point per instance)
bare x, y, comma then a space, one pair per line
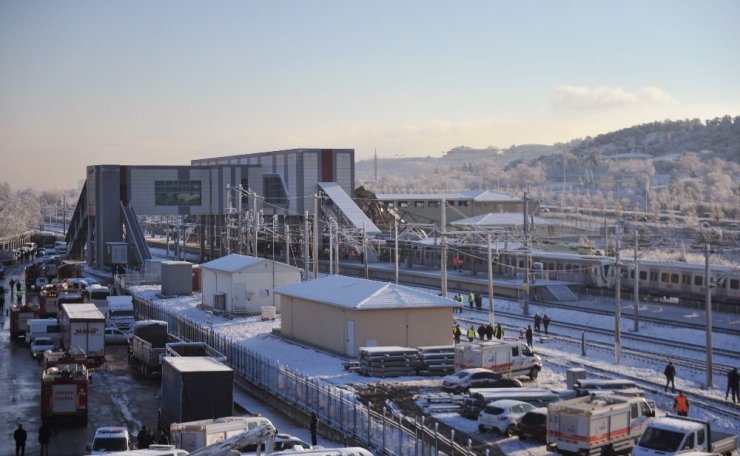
83, 327
500, 356
672, 435
585, 425
195, 435
120, 312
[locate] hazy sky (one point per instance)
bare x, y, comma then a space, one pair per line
164, 82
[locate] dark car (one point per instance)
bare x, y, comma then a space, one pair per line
533, 425
462, 381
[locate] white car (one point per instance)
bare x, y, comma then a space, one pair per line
502, 416
116, 336
109, 439
40, 345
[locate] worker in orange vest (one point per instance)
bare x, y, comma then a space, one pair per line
681, 405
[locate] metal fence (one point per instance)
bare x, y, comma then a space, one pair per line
387, 433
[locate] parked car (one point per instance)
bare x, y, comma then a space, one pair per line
115, 336
462, 381
502, 416
533, 425
109, 439
40, 345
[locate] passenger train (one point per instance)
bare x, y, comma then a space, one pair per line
657, 279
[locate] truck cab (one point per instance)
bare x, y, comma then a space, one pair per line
679, 435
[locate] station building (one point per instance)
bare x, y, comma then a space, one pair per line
278, 183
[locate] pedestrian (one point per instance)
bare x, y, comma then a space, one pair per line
681, 405
44, 437
458, 307
481, 332
499, 331
314, 426
546, 322
479, 301
19, 297
456, 333
733, 384
537, 322
471, 299
18, 285
529, 335
489, 332
20, 437
608, 450
670, 375
12, 284
143, 438
471, 334
163, 439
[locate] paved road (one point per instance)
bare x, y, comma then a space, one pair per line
118, 396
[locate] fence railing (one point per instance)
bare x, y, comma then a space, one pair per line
387, 433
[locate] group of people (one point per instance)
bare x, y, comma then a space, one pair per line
145, 438
20, 436
485, 332
540, 321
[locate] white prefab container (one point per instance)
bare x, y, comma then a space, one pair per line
503, 357
120, 312
587, 424
194, 435
83, 327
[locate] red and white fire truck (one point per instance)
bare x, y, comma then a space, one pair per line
19, 316
64, 393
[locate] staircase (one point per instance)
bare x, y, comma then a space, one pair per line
561, 293
134, 234
77, 229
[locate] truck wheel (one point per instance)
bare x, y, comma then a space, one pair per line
534, 373
510, 430
481, 428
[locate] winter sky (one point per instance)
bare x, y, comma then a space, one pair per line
138, 82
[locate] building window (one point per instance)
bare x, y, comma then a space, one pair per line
463, 203
244, 195
177, 193
403, 204
698, 280
275, 192
643, 275
734, 284
433, 203
418, 203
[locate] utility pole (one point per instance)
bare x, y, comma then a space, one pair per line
395, 237
443, 259
287, 244
490, 281
636, 291
364, 249
331, 248
315, 235
526, 252
617, 305
256, 224
336, 247
708, 311
306, 243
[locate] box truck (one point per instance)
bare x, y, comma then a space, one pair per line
83, 327
587, 424
194, 388
195, 435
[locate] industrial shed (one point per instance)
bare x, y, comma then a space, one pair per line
241, 284
342, 313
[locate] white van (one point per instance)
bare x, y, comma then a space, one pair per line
44, 327
98, 295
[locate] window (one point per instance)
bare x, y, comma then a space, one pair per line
734, 284
653, 276
177, 193
244, 196
463, 203
643, 275
275, 191
665, 277
698, 280
686, 279
418, 203
403, 204
674, 278
391, 204
433, 203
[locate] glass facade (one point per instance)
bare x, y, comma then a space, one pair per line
275, 191
177, 193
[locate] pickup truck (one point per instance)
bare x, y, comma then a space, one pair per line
673, 435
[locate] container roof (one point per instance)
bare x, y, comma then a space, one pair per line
362, 294
235, 262
196, 364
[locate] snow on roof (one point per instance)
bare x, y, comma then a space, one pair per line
361, 294
85, 311
196, 364
675, 424
232, 263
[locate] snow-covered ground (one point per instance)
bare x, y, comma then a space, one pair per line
257, 335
